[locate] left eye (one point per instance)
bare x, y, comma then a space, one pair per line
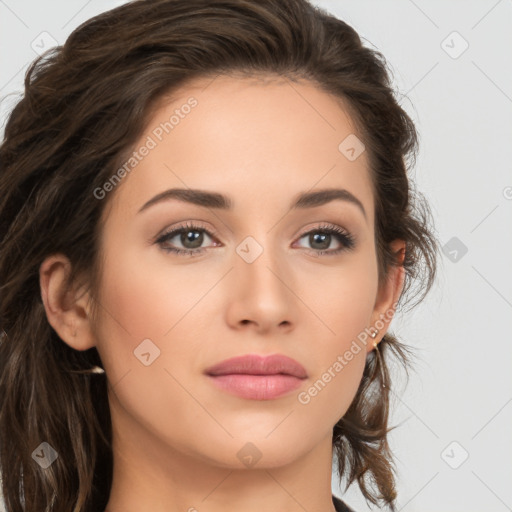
323, 235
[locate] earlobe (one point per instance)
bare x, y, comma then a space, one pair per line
66, 312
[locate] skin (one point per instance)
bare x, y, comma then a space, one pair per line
176, 436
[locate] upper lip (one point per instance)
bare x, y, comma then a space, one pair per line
252, 364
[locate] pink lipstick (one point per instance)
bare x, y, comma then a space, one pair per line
258, 377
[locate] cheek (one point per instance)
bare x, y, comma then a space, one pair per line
147, 296
140, 301
344, 302
150, 298
339, 361
343, 298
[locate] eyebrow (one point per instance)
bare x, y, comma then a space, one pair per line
219, 201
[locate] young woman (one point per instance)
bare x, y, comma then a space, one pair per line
206, 226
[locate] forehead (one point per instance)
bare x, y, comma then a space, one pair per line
259, 138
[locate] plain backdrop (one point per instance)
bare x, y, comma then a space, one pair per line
452, 68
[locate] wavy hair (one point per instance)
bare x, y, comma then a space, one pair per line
85, 104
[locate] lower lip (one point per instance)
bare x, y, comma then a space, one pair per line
257, 387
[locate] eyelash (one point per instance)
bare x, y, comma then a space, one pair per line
344, 237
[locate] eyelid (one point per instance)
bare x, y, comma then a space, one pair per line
322, 226
188, 224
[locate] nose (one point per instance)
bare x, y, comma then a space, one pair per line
260, 292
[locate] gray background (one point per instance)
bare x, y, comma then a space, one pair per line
458, 402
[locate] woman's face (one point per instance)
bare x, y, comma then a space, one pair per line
258, 277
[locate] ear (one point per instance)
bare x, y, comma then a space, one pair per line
388, 296
67, 312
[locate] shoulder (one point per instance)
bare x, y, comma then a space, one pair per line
340, 506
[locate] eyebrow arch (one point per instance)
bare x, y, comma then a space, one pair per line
220, 201
324, 196
188, 195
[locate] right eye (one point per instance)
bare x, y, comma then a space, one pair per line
189, 235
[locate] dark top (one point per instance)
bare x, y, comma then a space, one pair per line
340, 506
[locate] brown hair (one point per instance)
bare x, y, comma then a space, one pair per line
85, 105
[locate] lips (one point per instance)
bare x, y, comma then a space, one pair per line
252, 364
254, 377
